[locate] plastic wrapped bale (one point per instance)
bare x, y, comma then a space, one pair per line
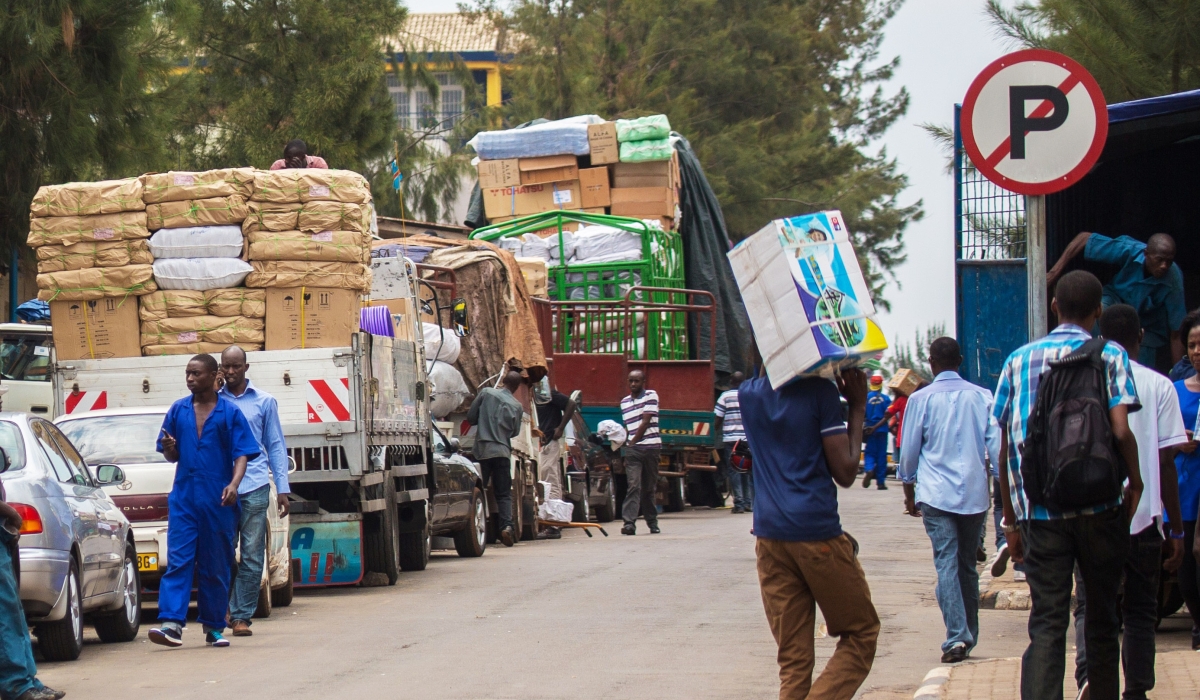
448, 390
642, 151
643, 128
326, 246
197, 242
93, 283
195, 349
310, 185
202, 329
297, 273
87, 198
200, 273
272, 216
68, 230
544, 139
182, 303
78, 256
440, 343
334, 216
177, 186
217, 211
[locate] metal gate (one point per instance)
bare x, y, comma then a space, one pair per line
991, 289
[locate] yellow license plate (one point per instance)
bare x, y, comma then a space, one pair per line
147, 562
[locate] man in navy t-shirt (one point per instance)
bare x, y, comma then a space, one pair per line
801, 447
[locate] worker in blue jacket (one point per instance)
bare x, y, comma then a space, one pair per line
210, 441
875, 435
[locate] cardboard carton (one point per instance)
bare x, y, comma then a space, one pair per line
548, 169
89, 330
499, 173
905, 382
602, 140
658, 173
536, 274
643, 201
311, 317
531, 199
806, 297
594, 190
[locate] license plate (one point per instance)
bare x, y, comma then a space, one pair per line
147, 562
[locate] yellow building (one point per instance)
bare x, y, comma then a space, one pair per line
478, 44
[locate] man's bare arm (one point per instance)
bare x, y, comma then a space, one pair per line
1074, 248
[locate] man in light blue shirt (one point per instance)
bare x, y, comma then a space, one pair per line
948, 439
254, 494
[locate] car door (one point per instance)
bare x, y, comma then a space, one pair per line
77, 492
110, 521
25, 369
441, 478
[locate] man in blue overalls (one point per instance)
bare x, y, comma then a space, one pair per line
874, 434
210, 441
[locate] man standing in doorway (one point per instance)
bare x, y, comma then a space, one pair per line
802, 452
254, 493
497, 415
210, 441
948, 440
728, 430
640, 413
875, 451
554, 411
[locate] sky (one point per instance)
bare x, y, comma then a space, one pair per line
942, 45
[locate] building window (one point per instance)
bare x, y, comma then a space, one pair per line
423, 115
427, 118
401, 100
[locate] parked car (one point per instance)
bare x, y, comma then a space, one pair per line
25, 369
78, 561
127, 438
459, 508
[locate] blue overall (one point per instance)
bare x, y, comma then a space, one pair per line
875, 450
201, 532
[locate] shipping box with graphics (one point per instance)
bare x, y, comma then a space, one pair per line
96, 329
806, 297
311, 317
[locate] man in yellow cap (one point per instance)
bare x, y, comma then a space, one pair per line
875, 435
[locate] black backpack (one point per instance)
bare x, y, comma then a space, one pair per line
1070, 460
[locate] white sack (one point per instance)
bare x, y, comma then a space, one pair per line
606, 244
197, 242
440, 343
556, 510
200, 273
614, 431
447, 389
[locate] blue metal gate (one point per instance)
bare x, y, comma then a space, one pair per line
991, 292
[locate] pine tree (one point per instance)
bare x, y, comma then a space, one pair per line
915, 356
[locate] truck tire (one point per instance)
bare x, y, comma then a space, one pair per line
608, 512
415, 546
471, 540
282, 597
674, 502
63, 640
381, 537
525, 505
122, 624
263, 610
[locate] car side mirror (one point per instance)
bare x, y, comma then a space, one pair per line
109, 474
455, 446
4, 463
458, 317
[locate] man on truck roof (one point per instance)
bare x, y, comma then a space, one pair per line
210, 441
295, 155
1148, 280
497, 414
254, 493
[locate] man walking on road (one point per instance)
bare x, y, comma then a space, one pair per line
948, 439
729, 432
554, 411
802, 448
497, 415
211, 442
1051, 541
640, 413
1159, 429
875, 451
254, 493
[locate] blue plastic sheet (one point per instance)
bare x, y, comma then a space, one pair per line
562, 137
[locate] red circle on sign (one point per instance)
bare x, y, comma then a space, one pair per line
979, 160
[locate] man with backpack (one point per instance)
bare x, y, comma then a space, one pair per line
1062, 404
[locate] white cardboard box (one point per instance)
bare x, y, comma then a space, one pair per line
806, 297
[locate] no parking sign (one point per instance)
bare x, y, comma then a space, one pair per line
1034, 122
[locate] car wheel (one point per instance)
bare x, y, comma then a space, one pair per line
282, 597
415, 546
122, 625
581, 512
472, 539
263, 609
674, 502
607, 512
63, 640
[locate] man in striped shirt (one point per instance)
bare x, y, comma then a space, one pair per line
639, 410
729, 431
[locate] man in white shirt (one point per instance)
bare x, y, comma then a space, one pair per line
1159, 430
640, 413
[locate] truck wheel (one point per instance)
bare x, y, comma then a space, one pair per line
381, 537
674, 502
607, 512
263, 610
282, 597
415, 546
525, 503
122, 624
63, 640
471, 540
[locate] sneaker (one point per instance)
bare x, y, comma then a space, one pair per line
629, 530
508, 536
550, 533
215, 639
241, 628
654, 529
882, 487
1019, 576
738, 509
867, 480
1000, 561
748, 509
42, 693
166, 636
1084, 692
980, 555
955, 654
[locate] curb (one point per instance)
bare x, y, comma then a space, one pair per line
931, 685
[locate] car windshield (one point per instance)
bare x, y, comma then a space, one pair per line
119, 440
25, 357
14, 446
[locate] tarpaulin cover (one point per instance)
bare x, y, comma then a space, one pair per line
96, 283
56, 258
706, 267
181, 303
65, 230
84, 198
177, 186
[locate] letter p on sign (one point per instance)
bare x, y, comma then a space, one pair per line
1034, 122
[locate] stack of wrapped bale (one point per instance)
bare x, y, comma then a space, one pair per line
197, 247
309, 243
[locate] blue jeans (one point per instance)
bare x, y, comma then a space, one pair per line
955, 538
18, 672
741, 486
252, 531
875, 456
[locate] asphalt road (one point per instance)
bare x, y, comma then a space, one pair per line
676, 615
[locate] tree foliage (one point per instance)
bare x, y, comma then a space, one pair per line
915, 356
782, 99
1134, 48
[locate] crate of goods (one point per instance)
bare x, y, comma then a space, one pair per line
905, 382
806, 297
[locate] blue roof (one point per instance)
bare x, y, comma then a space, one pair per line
1154, 107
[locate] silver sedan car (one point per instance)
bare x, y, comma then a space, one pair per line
77, 551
